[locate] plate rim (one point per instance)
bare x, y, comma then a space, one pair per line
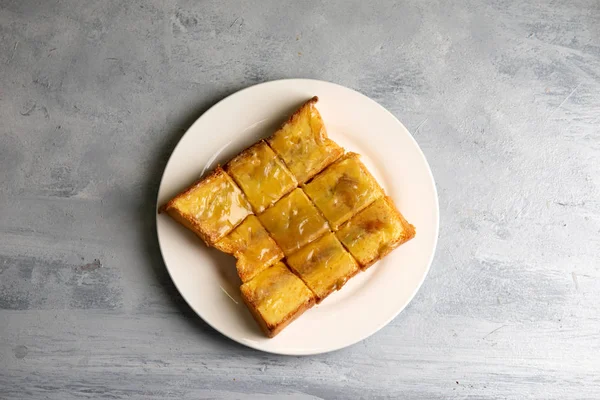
379, 326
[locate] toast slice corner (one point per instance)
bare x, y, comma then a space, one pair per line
375, 231
211, 207
303, 144
275, 298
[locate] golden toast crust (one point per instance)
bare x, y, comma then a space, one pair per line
257, 294
408, 229
272, 331
169, 208
343, 189
318, 151
407, 232
209, 236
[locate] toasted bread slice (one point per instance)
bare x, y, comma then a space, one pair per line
261, 175
293, 221
374, 232
211, 207
343, 189
254, 249
324, 265
276, 297
303, 144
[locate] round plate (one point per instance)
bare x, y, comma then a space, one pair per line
207, 279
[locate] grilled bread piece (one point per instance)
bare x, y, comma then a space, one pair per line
261, 175
303, 144
293, 221
375, 231
211, 207
276, 297
343, 189
324, 265
254, 249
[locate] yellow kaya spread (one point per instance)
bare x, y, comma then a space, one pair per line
303, 144
343, 189
261, 175
323, 265
293, 221
254, 249
375, 231
214, 206
276, 294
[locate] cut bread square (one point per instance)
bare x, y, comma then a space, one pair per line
211, 207
303, 144
375, 231
261, 175
324, 265
293, 221
276, 297
254, 249
343, 189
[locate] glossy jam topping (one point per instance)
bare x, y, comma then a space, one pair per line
276, 293
254, 249
303, 144
343, 189
261, 175
324, 265
215, 204
293, 221
374, 231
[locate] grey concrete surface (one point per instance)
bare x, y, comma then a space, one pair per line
503, 97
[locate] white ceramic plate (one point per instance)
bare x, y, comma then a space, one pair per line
207, 279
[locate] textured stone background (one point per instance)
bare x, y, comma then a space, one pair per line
503, 97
